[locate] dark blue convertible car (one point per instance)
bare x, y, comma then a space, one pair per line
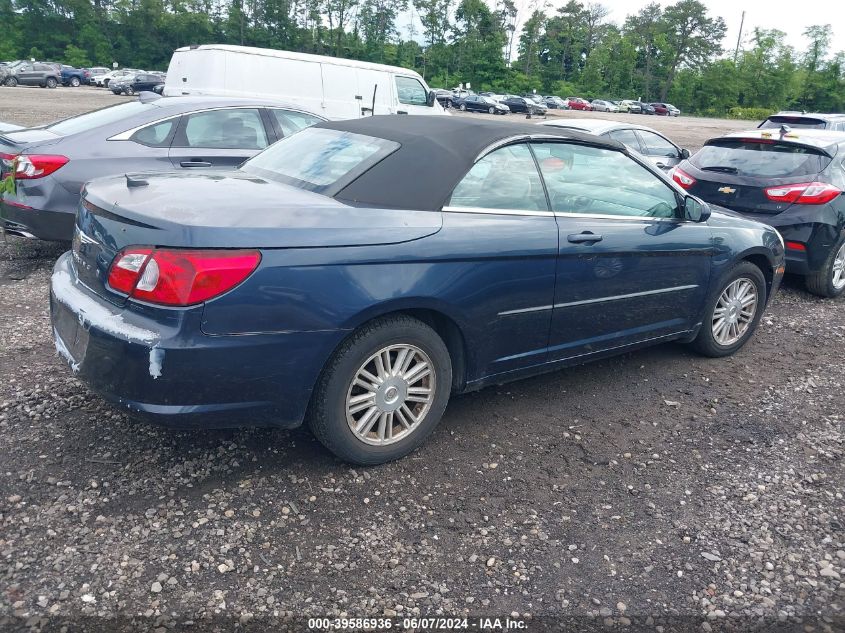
357, 273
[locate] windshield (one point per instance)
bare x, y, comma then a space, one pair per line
104, 116
760, 158
317, 159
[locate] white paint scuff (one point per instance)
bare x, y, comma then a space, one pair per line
156, 361
64, 352
93, 314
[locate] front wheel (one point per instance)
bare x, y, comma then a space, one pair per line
383, 391
74, 82
448, 105
463, 107
51, 82
829, 281
11, 82
130, 90
732, 312
491, 110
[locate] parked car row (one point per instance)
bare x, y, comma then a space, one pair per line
329, 280
52, 74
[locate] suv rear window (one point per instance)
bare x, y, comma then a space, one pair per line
794, 121
759, 158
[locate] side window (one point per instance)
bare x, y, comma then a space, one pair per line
290, 121
157, 135
655, 145
504, 179
43, 67
626, 137
594, 181
225, 129
410, 91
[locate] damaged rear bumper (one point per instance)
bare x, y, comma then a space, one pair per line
168, 372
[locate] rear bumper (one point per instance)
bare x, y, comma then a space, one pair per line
26, 221
818, 233
166, 371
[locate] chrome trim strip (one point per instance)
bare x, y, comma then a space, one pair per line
125, 136
608, 216
599, 300
524, 310
486, 211
627, 296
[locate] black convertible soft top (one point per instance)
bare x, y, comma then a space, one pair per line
434, 155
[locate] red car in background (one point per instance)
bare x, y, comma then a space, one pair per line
576, 103
660, 109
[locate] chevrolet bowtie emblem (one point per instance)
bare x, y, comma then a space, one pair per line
727, 190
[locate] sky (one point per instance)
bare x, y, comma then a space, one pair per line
792, 19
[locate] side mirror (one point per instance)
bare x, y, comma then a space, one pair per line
696, 210
685, 153
431, 98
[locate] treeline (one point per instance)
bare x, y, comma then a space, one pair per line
673, 54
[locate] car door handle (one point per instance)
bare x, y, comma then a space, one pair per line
661, 165
401, 112
195, 163
585, 237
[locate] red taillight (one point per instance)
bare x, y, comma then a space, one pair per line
682, 178
796, 246
32, 166
179, 277
803, 193
7, 164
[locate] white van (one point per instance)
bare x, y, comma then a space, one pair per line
332, 87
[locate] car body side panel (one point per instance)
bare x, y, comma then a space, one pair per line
480, 271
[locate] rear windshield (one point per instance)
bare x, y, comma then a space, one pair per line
105, 116
794, 121
763, 159
318, 159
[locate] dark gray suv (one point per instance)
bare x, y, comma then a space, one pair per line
44, 168
34, 74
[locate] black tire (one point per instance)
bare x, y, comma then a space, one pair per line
106, 83
74, 82
448, 104
11, 82
491, 110
705, 343
51, 82
129, 90
821, 282
463, 107
327, 411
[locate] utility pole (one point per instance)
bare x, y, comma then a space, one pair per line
739, 37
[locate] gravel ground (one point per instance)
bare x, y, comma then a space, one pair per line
656, 491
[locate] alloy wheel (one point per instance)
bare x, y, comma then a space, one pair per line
390, 394
734, 312
838, 269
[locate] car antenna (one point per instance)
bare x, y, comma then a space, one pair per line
135, 182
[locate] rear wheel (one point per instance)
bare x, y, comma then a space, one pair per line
463, 107
491, 110
106, 83
74, 82
732, 312
51, 82
130, 90
829, 281
11, 82
383, 391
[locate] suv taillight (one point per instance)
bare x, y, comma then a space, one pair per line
32, 166
682, 178
179, 277
803, 193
